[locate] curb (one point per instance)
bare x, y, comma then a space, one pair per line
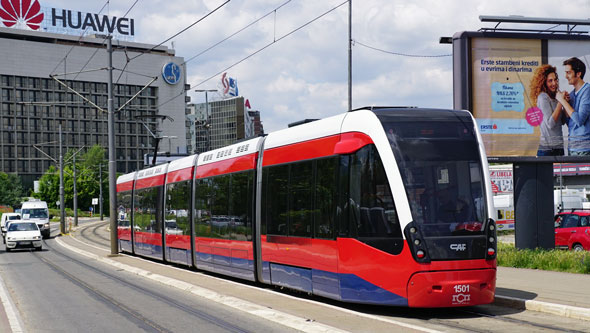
568, 311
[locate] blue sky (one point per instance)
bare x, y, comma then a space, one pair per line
305, 74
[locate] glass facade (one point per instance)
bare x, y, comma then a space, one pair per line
32, 109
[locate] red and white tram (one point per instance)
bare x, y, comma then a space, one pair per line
386, 206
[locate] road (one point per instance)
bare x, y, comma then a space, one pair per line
57, 289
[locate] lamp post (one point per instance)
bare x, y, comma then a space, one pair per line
207, 123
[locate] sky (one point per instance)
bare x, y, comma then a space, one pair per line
304, 73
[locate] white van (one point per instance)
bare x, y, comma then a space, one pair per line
36, 210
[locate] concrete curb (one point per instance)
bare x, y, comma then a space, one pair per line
568, 311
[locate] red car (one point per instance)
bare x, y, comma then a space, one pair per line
572, 230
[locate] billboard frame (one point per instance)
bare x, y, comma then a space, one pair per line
463, 79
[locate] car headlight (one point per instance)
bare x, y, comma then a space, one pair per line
9, 238
46, 225
37, 237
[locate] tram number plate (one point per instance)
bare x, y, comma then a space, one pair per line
461, 288
462, 295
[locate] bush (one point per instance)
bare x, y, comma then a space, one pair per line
551, 260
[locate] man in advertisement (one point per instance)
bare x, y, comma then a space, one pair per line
578, 108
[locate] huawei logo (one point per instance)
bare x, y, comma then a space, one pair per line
21, 13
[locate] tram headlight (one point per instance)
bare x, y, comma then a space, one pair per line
413, 230
417, 241
492, 239
492, 227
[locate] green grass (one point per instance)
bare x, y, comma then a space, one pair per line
550, 260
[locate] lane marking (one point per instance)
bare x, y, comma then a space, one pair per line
333, 307
14, 319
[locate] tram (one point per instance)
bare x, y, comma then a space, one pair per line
379, 205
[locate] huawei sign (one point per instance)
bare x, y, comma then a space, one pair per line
21, 13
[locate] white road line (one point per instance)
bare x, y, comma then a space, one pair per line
333, 307
278, 317
11, 312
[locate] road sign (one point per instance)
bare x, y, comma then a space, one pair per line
95, 201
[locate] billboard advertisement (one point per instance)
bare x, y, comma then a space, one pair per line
517, 87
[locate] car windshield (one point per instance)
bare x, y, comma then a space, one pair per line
440, 166
23, 227
35, 213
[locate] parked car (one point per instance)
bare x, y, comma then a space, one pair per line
23, 234
572, 230
6, 219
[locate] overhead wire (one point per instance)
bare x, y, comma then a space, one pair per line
168, 39
237, 32
401, 54
79, 39
102, 43
259, 50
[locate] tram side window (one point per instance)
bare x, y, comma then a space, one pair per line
325, 197
277, 197
224, 206
202, 207
148, 217
242, 186
124, 210
176, 219
299, 199
374, 215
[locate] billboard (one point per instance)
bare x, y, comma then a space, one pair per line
504, 80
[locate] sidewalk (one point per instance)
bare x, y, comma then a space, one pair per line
557, 293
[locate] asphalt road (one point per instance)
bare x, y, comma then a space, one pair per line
57, 290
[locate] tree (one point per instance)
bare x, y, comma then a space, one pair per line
49, 187
87, 179
11, 190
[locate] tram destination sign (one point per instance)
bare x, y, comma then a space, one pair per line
31, 15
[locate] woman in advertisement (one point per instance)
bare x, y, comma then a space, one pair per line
544, 86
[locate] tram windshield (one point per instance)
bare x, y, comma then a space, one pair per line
441, 169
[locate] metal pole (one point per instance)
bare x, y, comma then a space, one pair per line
349, 55
208, 119
75, 195
100, 192
112, 162
62, 205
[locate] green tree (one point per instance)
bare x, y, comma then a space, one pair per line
87, 180
49, 187
11, 190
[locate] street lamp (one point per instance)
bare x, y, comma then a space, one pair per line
207, 122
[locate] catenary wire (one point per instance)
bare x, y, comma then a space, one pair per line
102, 43
259, 50
237, 32
79, 39
401, 54
176, 34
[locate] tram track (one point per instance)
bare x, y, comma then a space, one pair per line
93, 229
450, 318
113, 303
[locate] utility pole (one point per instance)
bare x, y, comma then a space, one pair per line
62, 200
75, 195
100, 192
112, 162
349, 55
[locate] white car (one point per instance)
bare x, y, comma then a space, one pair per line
23, 234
